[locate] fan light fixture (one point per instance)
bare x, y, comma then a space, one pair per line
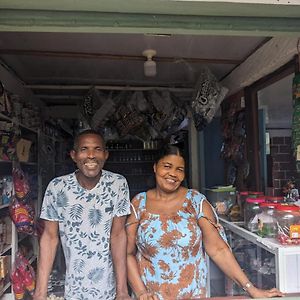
149, 64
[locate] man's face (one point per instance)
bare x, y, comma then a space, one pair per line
90, 155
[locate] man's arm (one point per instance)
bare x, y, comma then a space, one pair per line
118, 249
47, 251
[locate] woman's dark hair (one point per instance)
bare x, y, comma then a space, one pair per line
85, 132
169, 150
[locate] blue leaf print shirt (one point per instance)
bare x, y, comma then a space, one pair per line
85, 219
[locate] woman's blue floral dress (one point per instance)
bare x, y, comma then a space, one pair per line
170, 256
85, 219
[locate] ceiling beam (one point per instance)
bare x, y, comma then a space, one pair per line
103, 56
106, 87
271, 56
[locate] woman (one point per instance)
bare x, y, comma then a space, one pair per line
168, 230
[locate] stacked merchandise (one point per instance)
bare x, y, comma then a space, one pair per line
7, 141
22, 214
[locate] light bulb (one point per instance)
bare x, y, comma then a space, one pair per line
150, 68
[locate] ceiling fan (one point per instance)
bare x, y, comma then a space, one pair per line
149, 64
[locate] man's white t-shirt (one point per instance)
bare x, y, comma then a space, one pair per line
85, 219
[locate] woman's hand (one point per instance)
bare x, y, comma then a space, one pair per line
258, 293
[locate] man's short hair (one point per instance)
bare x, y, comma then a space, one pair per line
85, 132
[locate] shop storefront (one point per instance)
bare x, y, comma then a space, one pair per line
50, 68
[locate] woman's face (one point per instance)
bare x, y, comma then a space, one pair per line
169, 172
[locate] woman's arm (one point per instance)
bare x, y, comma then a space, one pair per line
134, 278
221, 254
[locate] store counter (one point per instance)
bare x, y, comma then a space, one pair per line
270, 263
287, 296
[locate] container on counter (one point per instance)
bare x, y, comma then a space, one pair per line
252, 210
267, 223
241, 200
274, 199
222, 199
255, 194
288, 224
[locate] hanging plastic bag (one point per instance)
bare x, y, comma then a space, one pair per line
22, 277
21, 184
22, 214
207, 99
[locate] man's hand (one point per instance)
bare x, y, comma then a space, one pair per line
38, 297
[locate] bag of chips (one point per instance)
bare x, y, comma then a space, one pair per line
207, 99
21, 184
22, 277
22, 214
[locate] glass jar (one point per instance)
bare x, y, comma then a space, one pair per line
241, 200
254, 194
288, 224
267, 223
252, 209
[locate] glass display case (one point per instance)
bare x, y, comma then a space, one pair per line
266, 262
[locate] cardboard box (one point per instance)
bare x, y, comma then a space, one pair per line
23, 150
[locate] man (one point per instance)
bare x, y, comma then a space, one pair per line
89, 209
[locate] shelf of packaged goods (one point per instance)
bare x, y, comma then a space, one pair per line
5, 249
6, 118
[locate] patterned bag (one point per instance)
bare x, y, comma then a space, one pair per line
207, 99
22, 277
22, 214
21, 184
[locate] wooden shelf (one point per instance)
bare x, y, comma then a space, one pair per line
32, 259
28, 163
4, 205
2, 291
5, 161
5, 249
6, 118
